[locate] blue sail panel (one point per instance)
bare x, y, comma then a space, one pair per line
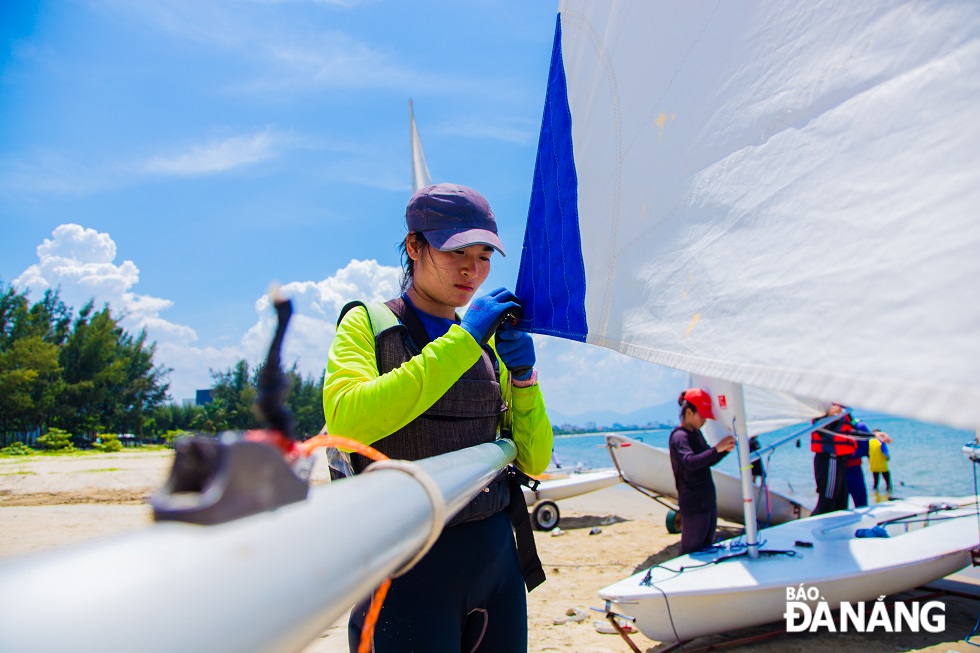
551, 280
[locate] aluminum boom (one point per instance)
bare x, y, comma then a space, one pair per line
268, 583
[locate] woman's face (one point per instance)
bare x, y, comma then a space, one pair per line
445, 281
693, 419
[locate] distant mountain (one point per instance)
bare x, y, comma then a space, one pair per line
666, 413
659, 414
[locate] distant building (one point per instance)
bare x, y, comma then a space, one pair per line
590, 426
203, 397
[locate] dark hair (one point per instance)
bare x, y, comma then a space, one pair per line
408, 265
685, 405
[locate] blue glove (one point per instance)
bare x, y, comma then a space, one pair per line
516, 349
486, 313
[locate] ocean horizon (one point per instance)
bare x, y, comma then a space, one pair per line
926, 459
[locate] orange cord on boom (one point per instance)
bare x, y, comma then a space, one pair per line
324, 440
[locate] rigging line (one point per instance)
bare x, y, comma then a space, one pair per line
927, 520
976, 493
972, 633
914, 517
849, 436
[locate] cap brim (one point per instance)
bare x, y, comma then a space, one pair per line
446, 240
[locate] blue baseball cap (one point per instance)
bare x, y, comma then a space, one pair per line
451, 217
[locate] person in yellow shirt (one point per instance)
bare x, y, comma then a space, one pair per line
879, 455
437, 383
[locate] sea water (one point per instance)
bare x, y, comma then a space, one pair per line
925, 459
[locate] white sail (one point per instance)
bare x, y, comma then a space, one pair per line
780, 194
420, 171
758, 409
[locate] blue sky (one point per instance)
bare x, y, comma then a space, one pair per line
175, 158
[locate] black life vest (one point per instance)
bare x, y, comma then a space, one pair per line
466, 415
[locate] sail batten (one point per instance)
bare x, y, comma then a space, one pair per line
773, 193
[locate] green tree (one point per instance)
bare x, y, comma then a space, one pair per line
29, 373
29, 383
56, 440
234, 389
109, 377
212, 418
173, 416
305, 400
144, 386
48, 319
233, 395
107, 442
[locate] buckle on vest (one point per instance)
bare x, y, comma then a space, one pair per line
523, 479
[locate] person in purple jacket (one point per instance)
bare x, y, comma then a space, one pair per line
691, 459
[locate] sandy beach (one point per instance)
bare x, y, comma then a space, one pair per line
51, 502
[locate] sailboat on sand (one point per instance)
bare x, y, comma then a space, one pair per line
780, 197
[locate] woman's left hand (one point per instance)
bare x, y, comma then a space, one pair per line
516, 349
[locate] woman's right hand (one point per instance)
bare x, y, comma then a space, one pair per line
726, 444
486, 313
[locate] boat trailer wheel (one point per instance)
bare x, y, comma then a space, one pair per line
673, 522
545, 516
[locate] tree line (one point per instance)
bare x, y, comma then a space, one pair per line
86, 375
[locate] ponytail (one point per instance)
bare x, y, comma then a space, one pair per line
685, 405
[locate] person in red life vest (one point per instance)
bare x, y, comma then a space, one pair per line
832, 447
691, 460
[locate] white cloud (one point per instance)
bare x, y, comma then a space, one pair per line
316, 307
575, 377
82, 263
220, 155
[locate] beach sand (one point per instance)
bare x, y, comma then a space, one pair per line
52, 502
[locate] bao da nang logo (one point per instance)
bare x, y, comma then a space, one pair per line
806, 610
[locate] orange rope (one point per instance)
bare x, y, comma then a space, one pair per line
325, 440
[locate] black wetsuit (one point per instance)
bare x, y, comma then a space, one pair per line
466, 594
691, 459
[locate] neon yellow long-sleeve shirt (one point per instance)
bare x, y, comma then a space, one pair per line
359, 403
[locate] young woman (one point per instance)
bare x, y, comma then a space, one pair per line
691, 459
438, 384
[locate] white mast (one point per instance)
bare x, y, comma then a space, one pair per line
420, 171
269, 583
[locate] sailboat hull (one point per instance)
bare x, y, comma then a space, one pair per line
571, 486
649, 467
709, 593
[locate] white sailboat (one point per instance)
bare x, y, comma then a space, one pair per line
778, 196
648, 468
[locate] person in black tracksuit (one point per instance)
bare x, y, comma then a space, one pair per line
691, 459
